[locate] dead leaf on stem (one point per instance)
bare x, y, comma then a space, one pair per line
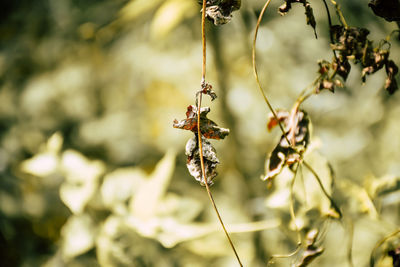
297, 132
220, 11
208, 128
193, 162
312, 251
310, 19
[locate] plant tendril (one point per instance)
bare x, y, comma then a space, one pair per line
199, 135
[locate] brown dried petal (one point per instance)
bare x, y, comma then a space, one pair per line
193, 162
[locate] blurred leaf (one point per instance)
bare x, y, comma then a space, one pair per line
81, 179
147, 197
313, 196
169, 15
382, 185
135, 8
45, 163
119, 186
78, 236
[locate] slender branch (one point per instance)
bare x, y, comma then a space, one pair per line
199, 135
350, 243
206, 182
330, 27
256, 73
340, 14
293, 216
333, 204
383, 240
203, 42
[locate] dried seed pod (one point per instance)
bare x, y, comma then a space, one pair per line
209, 157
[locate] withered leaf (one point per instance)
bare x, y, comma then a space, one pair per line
220, 11
312, 251
208, 128
310, 19
193, 161
281, 115
395, 254
342, 68
391, 71
352, 43
379, 60
387, 9
296, 124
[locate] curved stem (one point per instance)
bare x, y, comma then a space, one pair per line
256, 73
383, 240
333, 204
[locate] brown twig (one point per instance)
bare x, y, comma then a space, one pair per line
256, 73
199, 135
333, 204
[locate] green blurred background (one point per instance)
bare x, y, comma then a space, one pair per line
93, 174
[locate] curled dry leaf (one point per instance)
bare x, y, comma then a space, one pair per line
391, 71
310, 19
312, 251
193, 160
326, 79
352, 43
296, 124
208, 128
220, 11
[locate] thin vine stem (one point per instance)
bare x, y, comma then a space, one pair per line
383, 240
333, 204
199, 135
293, 216
340, 14
206, 182
330, 27
256, 73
